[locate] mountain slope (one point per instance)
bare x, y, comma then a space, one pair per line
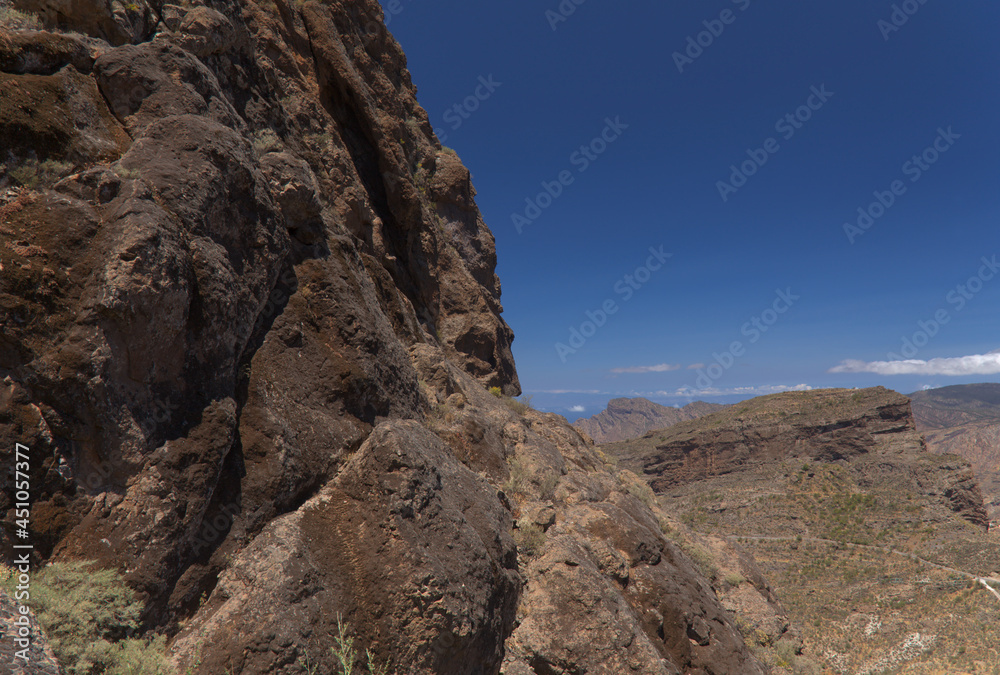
959, 404
626, 418
965, 420
848, 515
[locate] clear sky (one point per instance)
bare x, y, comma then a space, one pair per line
691, 175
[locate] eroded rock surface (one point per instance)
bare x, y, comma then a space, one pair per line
250, 316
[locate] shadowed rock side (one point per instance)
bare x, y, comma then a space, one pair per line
626, 418
249, 317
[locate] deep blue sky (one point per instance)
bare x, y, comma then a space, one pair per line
656, 185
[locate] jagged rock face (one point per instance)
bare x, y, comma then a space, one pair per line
405, 541
626, 418
979, 444
247, 328
236, 291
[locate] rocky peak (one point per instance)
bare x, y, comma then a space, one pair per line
626, 418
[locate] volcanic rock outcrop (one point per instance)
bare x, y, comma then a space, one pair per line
250, 316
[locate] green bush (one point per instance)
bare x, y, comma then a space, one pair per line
517, 482
32, 172
265, 141
734, 579
639, 489
703, 560
87, 616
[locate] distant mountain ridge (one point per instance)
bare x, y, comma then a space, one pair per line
959, 404
627, 418
964, 420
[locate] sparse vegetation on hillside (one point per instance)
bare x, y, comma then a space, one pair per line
518, 405
869, 611
31, 173
89, 617
13, 19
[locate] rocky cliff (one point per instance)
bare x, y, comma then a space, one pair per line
249, 317
626, 418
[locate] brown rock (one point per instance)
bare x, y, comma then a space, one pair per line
43, 115
247, 339
405, 541
117, 23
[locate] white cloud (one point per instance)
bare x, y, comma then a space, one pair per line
577, 408
977, 364
696, 366
659, 368
567, 391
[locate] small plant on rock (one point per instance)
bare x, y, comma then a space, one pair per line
529, 539
346, 654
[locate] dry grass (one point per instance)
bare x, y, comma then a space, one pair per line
868, 611
14, 19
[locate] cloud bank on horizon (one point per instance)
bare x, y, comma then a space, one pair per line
976, 364
658, 368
